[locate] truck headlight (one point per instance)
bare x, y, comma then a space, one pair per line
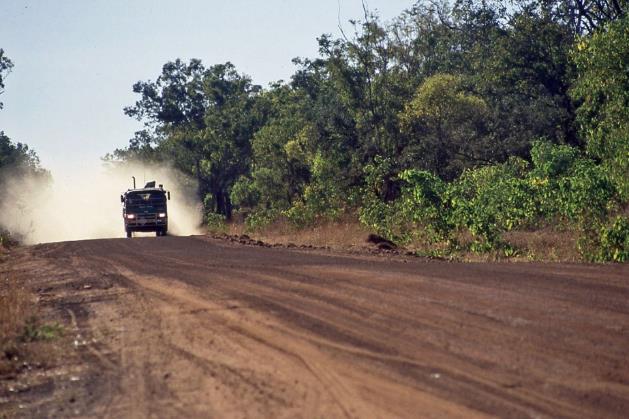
162, 215
130, 216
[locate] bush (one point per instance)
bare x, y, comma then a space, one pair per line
422, 203
261, 218
244, 193
216, 223
376, 212
614, 241
588, 192
560, 187
6, 240
300, 214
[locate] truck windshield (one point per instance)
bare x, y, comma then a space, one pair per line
146, 198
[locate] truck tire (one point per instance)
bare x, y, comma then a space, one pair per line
129, 234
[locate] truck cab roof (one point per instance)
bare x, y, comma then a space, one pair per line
144, 190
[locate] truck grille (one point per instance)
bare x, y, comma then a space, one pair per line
146, 220
146, 217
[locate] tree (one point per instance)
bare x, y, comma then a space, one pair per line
449, 126
525, 80
201, 120
17, 157
602, 92
5, 67
231, 120
583, 17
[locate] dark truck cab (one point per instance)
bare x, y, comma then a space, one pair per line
145, 209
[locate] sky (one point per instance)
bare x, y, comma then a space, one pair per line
75, 61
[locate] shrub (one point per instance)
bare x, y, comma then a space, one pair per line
244, 193
216, 223
300, 214
422, 203
261, 218
614, 241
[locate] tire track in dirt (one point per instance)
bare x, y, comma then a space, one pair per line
199, 327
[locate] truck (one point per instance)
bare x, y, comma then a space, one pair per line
145, 209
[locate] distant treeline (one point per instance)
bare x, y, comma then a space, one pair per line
13, 156
470, 118
16, 160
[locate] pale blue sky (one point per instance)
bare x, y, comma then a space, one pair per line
76, 60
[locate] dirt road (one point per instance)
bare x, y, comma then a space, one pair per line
196, 327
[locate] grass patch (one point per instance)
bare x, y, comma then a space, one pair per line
23, 336
16, 307
346, 232
33, 331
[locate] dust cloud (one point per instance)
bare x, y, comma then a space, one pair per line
87, 204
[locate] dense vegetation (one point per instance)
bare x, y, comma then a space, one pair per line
463, 120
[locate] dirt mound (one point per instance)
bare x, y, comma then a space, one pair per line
381, 242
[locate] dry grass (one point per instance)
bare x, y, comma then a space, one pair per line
341, 234
24, 338
15, 308
545, 244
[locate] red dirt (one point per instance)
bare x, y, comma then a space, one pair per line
189, 327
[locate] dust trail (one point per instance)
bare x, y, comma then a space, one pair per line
37, 210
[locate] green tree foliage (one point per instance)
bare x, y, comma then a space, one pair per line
614, 241
602, 89
525, 81
202, 121
17, 157
279, 168
560, 187
472, 118
585, 16
448, 126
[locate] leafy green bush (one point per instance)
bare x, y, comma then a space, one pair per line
422, 203
300, 214
261, 218
490, 200
376, 213
614, 241
216, 222
244, 193
586, 193
560, 187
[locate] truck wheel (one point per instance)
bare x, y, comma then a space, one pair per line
129, 234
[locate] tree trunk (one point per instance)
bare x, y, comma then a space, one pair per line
223, 204
228, 207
